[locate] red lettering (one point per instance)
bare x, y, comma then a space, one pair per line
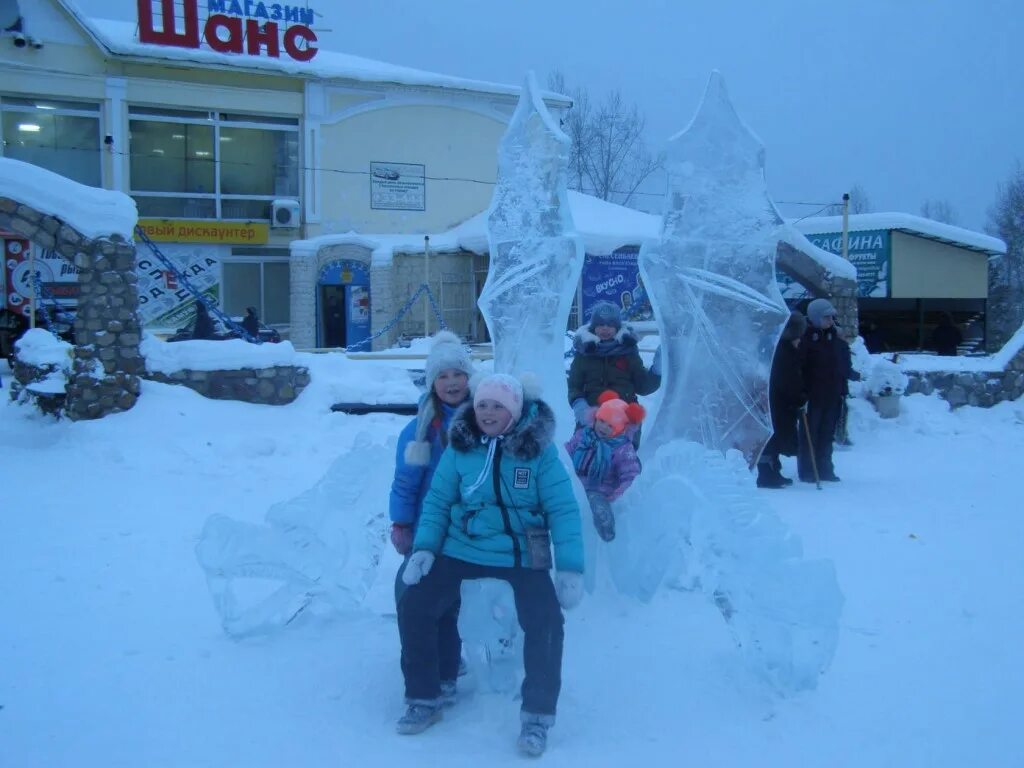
168, 35
230, 24
257, 36
291, 45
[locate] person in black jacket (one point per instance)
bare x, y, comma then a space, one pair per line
202, 327
946, 337
786, 396
826, 365
251, 322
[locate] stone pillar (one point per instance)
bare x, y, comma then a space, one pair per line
107, 363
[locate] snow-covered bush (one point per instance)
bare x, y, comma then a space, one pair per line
42, 367
885, 378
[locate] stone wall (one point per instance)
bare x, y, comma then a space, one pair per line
104, 377
979, 388
277, 385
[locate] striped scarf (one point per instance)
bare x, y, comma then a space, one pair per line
593, 454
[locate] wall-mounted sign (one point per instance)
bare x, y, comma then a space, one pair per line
58, 276
249, 27
870, 252
206, 231
163, 301
398, 187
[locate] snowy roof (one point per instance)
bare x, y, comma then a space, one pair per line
603, 226
119, 38
93, 212
904, 222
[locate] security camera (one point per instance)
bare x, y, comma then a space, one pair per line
37, 44
108, 140
20, 41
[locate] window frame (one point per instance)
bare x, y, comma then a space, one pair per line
261, 257
216, 119
18, 103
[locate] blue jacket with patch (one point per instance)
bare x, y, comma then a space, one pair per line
412, 481
480, 513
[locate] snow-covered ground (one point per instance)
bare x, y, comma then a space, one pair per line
111, 654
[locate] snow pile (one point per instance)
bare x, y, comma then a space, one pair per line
39, 348
202, 355
336, 379
884, 377
981, 364
92, 212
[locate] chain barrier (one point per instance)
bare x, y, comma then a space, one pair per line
43, 293
401, 313
199, 296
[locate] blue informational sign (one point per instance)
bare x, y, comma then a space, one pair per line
615, 277
354, 277
870, 252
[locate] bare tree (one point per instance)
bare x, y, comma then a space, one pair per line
609, 158
938, 210
1006, 273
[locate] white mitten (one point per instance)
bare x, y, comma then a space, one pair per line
569, 589
419, 565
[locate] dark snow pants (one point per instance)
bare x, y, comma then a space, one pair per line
422, 606
821, 419
449, 644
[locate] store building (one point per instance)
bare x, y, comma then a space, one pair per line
912, 273
237, 135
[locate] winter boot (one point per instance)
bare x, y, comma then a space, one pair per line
778, 470
533, 738
419, 715
449, 693
768, 477
604, 520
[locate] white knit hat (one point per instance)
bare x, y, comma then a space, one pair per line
446, 351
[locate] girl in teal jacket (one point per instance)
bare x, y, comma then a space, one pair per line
499, 501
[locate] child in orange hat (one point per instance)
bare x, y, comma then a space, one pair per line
604, 457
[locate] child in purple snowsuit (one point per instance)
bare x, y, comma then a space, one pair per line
605, 459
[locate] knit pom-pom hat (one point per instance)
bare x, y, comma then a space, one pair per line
446, 351
618, 414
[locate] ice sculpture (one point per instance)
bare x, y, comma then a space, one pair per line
711, 279
536, 256
321, 547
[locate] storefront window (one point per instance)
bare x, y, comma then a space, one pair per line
261, 278
232, 166
63, 137
172, 157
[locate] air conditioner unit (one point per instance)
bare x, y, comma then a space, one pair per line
285, 214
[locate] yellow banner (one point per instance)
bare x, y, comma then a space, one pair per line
206, 231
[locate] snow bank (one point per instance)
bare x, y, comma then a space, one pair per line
982, 364
199, 355
93, 212
862, 222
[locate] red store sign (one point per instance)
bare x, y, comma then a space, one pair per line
246, 27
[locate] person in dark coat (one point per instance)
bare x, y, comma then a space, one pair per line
202, 327
826, 365
786, 396
251, 322
607, 358
946, 337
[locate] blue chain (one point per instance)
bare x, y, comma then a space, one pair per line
401, 313
199, 296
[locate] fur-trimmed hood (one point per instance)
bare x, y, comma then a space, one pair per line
531, 435
586, 342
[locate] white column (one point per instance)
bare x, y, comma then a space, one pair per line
115, 125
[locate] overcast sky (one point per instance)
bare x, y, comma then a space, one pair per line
910, 99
